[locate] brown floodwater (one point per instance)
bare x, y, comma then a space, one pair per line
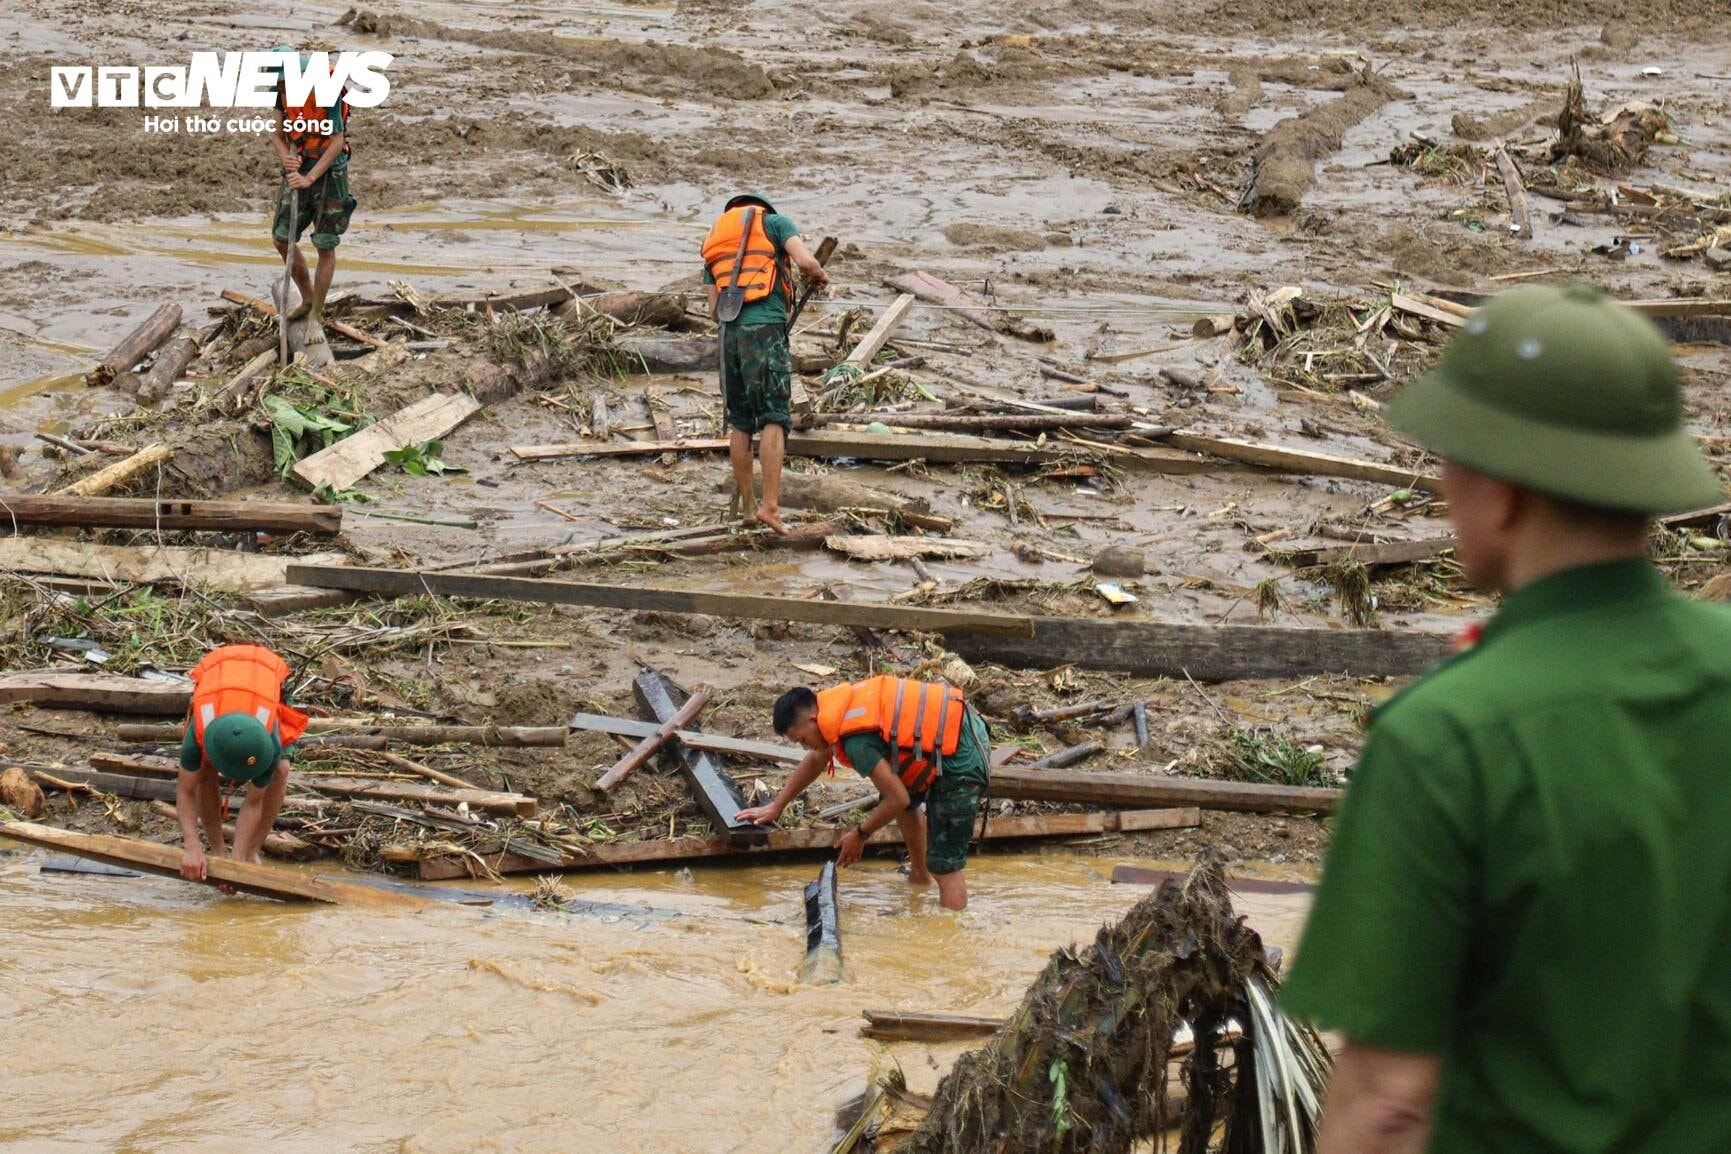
146, 1015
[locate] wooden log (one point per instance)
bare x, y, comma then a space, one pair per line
1214, 326
170, 514
875, 547
341, 465
1133, 790
133, 786
231, 391
1209, 652
716, 793
929, 288
1069, 755
257, 304
776, 751
277, 843
659, 416
1064, 712
494, 801
822, 964
118, 473
645, 749
917, 1026
100, 692
981, 422
343, 329
264, 881
1384, 553
397, 582
675, 851
72, 447
136, 346
166, 369
655, 310
1300, 461
828, 493
566, 449
1139, 721
641, 352
1520, 219
507, 736
225, 569
868, 346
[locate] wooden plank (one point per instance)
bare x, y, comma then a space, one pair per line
645, 749
915, 1026
978, 422
1143, 876
264, 881
1133, 790
102, 692
343, 464
876, 547
710, 742
507, 736
869, 345
396, 582
1369, 553
520, 804
1166, 817
118, 473
716, 793
567, 449
674, 851
136, 345
1300, 461
1209, 652
822, 964
133, 786
166, 513
929, 288
277, 843
1402, 302
1698, 518
660, 416
1520, 219
224, 569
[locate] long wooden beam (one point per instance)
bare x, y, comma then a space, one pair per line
152, 513
398, 582
1300, 461
645, 749
1133, 790
515, 737
676, 851
102, 692
1209, 652
264, 881
779, 751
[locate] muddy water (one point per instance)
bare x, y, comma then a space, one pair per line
192, 1022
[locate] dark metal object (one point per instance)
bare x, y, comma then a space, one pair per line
716, 793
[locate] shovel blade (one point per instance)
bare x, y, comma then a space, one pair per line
729, 304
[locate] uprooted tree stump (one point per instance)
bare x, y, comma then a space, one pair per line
1082, 1065
1610, 144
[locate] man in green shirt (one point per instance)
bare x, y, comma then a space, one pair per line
1524, 927
751, 247
312, 146
936, 811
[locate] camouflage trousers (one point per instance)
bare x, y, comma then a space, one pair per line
759, 378
325, 207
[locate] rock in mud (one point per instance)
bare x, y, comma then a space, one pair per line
1120, 561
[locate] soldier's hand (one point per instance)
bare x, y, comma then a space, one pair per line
818, 279
760, 815
850, 848
299, 180
193, 867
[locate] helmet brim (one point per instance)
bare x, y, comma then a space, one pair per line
1664, 473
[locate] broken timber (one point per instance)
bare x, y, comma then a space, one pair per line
929, 288
1520, 219
869, 345
978, 422
264, 881
716, 794
165, 513
645, 749
676, 851
118, 473
940, 447
1209, 652
1148, 789
225, 569
876, 547
102, 692
397, 582
822, 962
1300, 461
915, 1026
1370, 553
136, 346
696, 739
341, 465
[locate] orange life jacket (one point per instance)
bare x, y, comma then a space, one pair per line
308, 143
243, 679
761, 270
919, 720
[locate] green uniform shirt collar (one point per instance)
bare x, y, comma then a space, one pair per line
1573, 590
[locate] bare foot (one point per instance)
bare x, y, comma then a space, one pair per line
771, 516
300, 311
919, 879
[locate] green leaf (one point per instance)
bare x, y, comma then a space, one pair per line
283, 446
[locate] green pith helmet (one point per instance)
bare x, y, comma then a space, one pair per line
239, 748
748, 198
1565, 392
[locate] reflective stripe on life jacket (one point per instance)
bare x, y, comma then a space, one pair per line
761, 270
920, 720
308, 143
243, 679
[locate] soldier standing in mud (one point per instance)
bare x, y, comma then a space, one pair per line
745, 265
312, 146
1524, 926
